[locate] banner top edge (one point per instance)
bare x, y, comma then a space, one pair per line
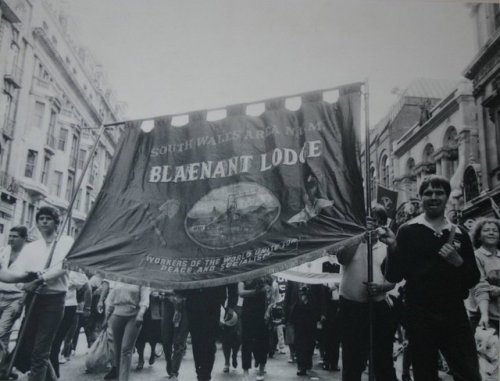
234, 105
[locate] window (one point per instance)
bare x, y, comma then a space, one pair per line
23, 213
74, 150
31, 215
384, 170
373, 180
57, 183
78, 200
87, 201
81, 158
45, 170
29, 170
428, 155
107, 162
38, 114
63, 137
69, 187
410, 167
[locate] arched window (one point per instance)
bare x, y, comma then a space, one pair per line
428, 159
410, 167
450, 145
427, 156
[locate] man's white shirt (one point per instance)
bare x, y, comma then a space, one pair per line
5, 254
34, 258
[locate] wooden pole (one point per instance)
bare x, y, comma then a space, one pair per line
369, 238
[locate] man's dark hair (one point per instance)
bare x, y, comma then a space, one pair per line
437, 182
379, 212
21, 230
48, 211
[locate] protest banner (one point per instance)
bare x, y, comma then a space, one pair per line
214, 202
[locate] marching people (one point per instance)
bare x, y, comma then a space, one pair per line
275, 321
330, 327
291, 298
84, 303
254, 331
11, 296
203, 310
125, 308
150, 331
486, 238
76, 280
174, 331
231, 335
48, 292
330, 340
303, 317
436, 259
355, 292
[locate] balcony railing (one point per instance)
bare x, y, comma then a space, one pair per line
8, 182
15, 75
8, 128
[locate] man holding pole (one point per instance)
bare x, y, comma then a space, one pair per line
46, 294
11, 297
354, 317
437, 261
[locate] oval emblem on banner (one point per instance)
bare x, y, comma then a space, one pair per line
232, 215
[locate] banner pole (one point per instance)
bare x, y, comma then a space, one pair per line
368, 237
51, 254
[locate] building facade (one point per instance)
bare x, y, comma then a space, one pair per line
444, 144
413, 108
482, 178
54, 100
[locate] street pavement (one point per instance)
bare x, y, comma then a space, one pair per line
278, 369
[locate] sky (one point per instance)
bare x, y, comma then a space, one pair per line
173, 56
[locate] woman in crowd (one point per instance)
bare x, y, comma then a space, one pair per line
254, 331
486, 237
125, 308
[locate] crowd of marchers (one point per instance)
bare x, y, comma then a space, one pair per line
433, 298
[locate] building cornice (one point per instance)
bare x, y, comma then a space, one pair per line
41, 35
485, 63
417, 133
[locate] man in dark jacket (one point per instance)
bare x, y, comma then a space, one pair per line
437, 261
203, 314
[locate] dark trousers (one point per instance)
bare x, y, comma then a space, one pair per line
331, 335
231, 339
354, 326
203, 318
254, 341
41, 329
67, 321
305, 341
446, 329
173, 337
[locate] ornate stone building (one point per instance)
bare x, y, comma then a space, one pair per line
444, 144
482, 177
55, 97
412, 109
